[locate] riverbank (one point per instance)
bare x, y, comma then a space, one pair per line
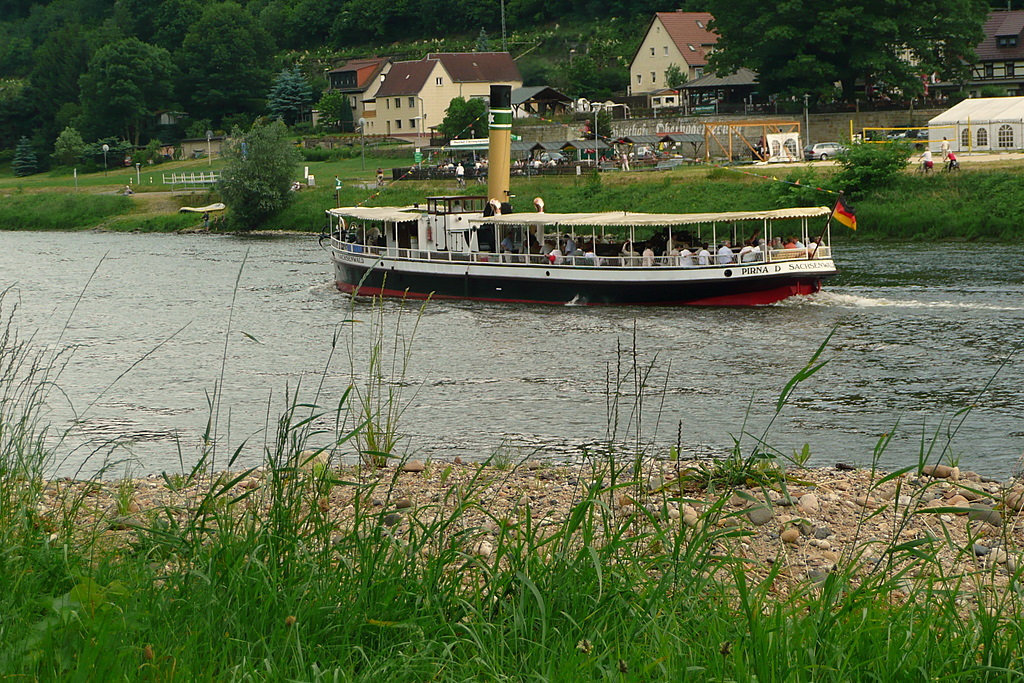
458, 571
981, 202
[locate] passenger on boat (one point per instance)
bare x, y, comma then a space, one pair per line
594, 260
534, 245
725, 253
538, 204
790, 243
776, 242
648, 257
704, 256
507, 245
570, 244
556, 257
746, 254
686, 259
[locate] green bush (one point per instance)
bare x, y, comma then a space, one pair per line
871, 166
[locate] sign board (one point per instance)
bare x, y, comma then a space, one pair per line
417, 155
704, 109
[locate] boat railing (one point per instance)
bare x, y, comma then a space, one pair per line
623, 261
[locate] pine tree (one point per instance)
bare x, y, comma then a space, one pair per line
483, 43
25, 161
291, 96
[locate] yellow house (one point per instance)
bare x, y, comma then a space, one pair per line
413, 96
681, 39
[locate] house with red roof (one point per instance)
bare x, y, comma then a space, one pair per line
359, 80
414, 95
680, 39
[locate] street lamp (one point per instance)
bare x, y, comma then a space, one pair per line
209, 153
106, 148
362, 139
807, 121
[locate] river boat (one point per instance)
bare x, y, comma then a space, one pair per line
476, 247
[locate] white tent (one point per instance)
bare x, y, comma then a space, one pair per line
981, 124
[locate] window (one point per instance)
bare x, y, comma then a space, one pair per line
639, 79
1008, 69
654, 77
387, 104
666, 50
990, 70
398, 123
965, 138
412, 123
1006, 41
439, 81
398, 103
1004, 137
412, 103
652, 51
982, 137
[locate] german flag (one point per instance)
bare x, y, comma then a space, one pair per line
844, 213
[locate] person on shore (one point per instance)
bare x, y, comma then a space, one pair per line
926, 161
380, 176
460, 175
944, 148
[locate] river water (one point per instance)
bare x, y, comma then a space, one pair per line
156, 323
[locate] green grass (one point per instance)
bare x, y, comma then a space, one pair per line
969, 205
249, 583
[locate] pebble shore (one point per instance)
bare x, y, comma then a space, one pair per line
820, 519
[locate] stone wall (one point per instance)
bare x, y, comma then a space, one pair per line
823, 127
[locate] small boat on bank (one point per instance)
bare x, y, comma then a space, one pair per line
475, 247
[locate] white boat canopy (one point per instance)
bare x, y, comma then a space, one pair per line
376, 213
626, 218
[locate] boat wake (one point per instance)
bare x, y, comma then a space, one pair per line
840, 300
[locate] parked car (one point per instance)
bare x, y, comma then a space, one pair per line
823, 151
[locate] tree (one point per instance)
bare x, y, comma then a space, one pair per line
25, 161
58, 64
674, 76
125, 83
803, 46
871, 165
69, 147
483, 44
335, 110
290, 97
257, 179
464, 119
225, 63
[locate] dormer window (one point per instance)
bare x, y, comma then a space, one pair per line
1006, 41
700, 24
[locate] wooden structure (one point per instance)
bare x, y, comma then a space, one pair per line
735, 137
